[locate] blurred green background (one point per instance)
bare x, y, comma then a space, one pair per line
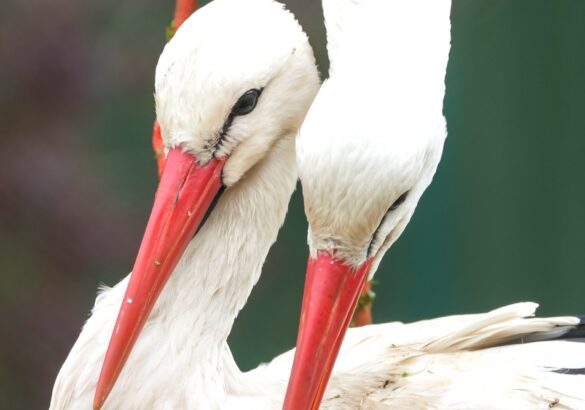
503, 221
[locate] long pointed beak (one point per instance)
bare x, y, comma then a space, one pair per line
332, 290
185, 193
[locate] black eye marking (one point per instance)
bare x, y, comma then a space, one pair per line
211, 207
398, 201
246, 103
394, 205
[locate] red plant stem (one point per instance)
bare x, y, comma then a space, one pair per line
183, 9
363, 314
158, 147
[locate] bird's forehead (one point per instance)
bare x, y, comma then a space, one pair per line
363, 154
365, 176
373, 161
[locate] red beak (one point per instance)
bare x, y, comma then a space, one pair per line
332, 290
185, 193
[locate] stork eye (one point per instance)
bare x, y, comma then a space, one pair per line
398, 201
246, 103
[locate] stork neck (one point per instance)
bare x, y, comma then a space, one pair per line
223, 262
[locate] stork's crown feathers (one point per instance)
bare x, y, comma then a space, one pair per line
375, 132
198, 87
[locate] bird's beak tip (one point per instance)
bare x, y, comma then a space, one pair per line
97, 406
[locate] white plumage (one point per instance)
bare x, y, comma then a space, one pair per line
181, 359
448, 363
455, 363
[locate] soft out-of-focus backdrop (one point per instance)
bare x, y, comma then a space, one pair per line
504, 220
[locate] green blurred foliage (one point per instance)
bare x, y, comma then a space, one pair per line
503, 221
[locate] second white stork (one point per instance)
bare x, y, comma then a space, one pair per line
367, 151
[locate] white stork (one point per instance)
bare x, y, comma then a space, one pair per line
168, 347
231, 89
367, 151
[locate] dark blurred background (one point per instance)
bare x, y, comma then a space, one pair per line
503, 221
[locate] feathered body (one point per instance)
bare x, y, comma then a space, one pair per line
476, 361
458, 362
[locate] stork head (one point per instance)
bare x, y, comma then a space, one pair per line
236, 77
364, 163
363, 171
